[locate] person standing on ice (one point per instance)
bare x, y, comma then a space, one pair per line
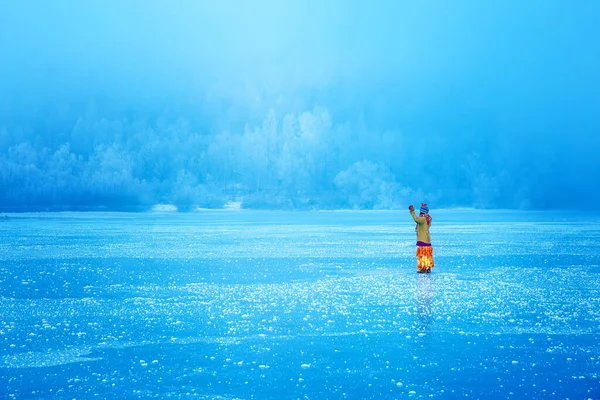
424, 249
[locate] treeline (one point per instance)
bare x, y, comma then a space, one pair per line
294, 161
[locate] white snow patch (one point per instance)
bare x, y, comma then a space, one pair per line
164, 208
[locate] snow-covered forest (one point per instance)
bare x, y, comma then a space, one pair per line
207, 104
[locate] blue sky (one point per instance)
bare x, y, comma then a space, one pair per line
460, 72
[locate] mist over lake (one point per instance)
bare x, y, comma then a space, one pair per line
299, 105
204, 199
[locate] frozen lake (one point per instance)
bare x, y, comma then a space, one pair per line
284, 305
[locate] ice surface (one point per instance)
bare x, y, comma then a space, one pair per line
293, 305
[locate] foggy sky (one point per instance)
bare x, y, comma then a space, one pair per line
495, 79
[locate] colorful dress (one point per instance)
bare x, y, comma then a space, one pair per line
424, 257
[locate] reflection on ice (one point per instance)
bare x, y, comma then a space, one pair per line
425, 297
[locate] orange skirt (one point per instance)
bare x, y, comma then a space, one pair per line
424, 258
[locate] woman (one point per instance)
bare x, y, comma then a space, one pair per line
424, 249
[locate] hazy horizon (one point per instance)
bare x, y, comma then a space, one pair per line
299, 105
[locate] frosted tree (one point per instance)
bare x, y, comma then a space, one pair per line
367, 185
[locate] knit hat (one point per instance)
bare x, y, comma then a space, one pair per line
424, 208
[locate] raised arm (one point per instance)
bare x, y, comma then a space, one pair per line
418, 220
